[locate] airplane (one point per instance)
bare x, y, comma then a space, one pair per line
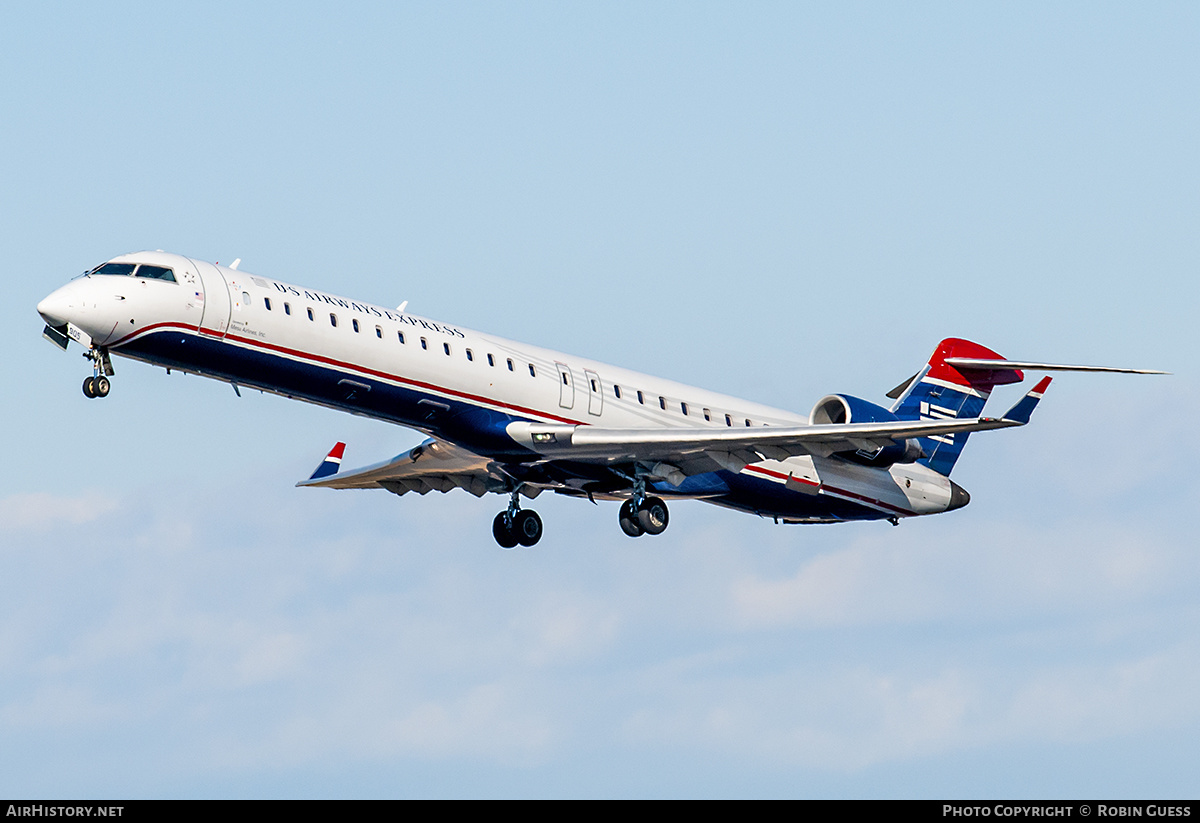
513, 419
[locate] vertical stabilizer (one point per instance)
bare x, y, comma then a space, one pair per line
941, 391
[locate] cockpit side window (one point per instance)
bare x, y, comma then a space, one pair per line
114, 268
156, 273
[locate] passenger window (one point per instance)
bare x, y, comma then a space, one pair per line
354, 323
267, 303
641, 399
747, 421
156, 273
379, 332
491, 360
662, 403
510, 364
400, 334
287, 308
310, 314
333, 319
446, 348
470, 356
532, 371
617, 390
424, 343
707, 415
566, 382
246, 299
684, 407
728, 420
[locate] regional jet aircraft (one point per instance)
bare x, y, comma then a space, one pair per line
516, 420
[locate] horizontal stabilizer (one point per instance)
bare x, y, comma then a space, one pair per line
970, 363
331, 463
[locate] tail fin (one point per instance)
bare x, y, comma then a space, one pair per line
942, 391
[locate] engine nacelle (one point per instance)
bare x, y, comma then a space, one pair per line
844, 408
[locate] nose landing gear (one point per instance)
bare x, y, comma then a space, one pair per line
98, 385
516, 525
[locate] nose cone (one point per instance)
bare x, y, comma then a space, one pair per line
959, 497
55, 309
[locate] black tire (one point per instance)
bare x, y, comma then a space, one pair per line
503, 534
527, 526
101, 386
89, 389
653, 515
629, 520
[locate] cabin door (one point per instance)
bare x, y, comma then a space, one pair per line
566, 386
215, 320
595, 392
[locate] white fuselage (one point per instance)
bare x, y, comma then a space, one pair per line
463, 385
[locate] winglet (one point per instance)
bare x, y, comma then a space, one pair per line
1021, 412
331, 463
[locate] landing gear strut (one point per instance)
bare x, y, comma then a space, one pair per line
516, 525
641, 514
98, 385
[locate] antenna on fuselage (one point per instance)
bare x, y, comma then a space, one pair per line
235, 264
402, 307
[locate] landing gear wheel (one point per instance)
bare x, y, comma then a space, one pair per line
653, 516
501, 531
89, 387
101, 386
527, 527
629, 520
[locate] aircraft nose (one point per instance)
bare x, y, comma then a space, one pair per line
55, 308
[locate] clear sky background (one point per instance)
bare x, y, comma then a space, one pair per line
772, 200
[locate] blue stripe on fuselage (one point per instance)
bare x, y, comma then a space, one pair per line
255, 368
476, 427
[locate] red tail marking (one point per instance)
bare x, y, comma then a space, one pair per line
980, 379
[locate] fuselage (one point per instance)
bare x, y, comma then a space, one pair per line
454, 383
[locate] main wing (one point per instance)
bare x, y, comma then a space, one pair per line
435, 465
694, 450
670, 453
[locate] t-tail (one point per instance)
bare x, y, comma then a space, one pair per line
957, 381
942, 391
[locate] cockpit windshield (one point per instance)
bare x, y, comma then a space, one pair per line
144, 270
155, 273
114, 268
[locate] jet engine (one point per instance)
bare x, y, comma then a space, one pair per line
837, 409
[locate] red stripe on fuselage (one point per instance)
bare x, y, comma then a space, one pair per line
833, 489
329, 361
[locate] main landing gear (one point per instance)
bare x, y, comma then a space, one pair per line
98, 385
516, 525
643, 515
640, 514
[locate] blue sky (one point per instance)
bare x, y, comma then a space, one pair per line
772, 200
